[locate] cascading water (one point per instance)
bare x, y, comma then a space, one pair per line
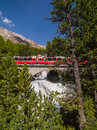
43, 83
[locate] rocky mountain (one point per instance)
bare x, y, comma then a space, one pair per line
17, 38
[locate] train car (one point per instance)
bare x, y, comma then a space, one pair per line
25, 60
45, 60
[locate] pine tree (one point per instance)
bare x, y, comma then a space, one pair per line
34, 111
65, 12
58, 47
90, 38
88, 47
8, 92
2, 46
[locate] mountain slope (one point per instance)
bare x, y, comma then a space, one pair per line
17, 38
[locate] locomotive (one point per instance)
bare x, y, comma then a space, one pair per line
46, 60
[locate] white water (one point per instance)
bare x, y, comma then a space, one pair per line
46, 87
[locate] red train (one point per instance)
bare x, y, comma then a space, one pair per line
45, 60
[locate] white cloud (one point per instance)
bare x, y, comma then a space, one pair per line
5, 20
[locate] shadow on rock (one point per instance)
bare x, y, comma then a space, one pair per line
53, 76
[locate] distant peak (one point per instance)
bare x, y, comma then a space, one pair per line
17, 38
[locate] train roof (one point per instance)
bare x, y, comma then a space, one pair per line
41, 57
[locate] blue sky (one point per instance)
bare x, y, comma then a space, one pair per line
27, 17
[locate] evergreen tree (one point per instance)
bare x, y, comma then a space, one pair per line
58, 47
20, 107
8, 48
65, 12
2, 46
8, 92
88, 48
89, 38
34, 111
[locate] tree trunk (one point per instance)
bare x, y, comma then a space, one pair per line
82, 119
95, 90
95, 93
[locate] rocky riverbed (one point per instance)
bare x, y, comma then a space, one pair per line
50, 82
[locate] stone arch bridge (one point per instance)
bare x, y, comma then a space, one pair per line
33, 70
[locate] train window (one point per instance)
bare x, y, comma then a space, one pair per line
59, 59
20, 59
54, 59
50, 58
16, 58
29, 58
25, 58
40, 59
33, 59
44, 59
64, 60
